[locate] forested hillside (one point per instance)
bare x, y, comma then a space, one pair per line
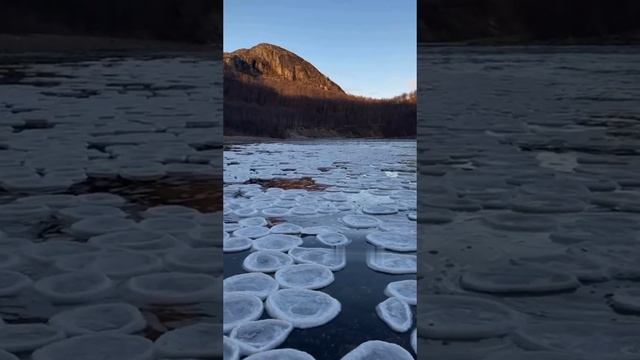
269, 91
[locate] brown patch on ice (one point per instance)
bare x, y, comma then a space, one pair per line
305, 183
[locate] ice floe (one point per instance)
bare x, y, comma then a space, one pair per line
303, 308
266, 261
404, 289
190, 341
281, 354
393, 241
360, 221
252, 232
17, 338
115, 264
518, 279
231, 350
261, 335
240, 308
321, 256
173, 288
12, 282
74, 287
256, 283
626, 300
102, 346
455, 317
304, 276
589, 339
236, 244
395, 313
286, 228
392, 263
333, 239
277, 242
103, 318
376, 349
204, 260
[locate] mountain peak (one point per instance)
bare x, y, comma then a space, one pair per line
272, 63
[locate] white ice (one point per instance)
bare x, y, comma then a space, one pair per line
281, 354
239, 309
393, 241
173, 288
231, 350
360, 221
277, 242
236, 244
256, 283
302, 308
378, 350
98, 346
403, 289
190, 341
395, 313
459, 317
18, 338
115, 264
104, 318
392, 263
74, 287
518, 279
261, 335
266, 261
286, 228
304, 276
333, 239
251, 232
320, 256
203, 260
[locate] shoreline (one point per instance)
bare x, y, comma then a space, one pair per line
46, 45
230, 140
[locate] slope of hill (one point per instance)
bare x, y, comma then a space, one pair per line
270, 91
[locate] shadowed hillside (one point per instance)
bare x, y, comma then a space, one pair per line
191, 21
269, 91
529, 20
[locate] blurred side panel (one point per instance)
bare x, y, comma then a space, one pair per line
111, 179
528, 192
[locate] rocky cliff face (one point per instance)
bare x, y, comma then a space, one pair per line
278, 67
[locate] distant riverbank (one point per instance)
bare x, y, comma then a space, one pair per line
52, 44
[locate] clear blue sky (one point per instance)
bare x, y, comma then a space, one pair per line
368, 47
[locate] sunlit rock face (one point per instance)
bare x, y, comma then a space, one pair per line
273, 62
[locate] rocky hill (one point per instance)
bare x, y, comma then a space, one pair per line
270, 91
278, 67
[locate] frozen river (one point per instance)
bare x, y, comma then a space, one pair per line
529, 203
346, 209
110, 199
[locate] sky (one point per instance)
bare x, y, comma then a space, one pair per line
368, 47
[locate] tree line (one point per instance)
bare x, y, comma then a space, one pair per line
452, 20
254, 109
193, 21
